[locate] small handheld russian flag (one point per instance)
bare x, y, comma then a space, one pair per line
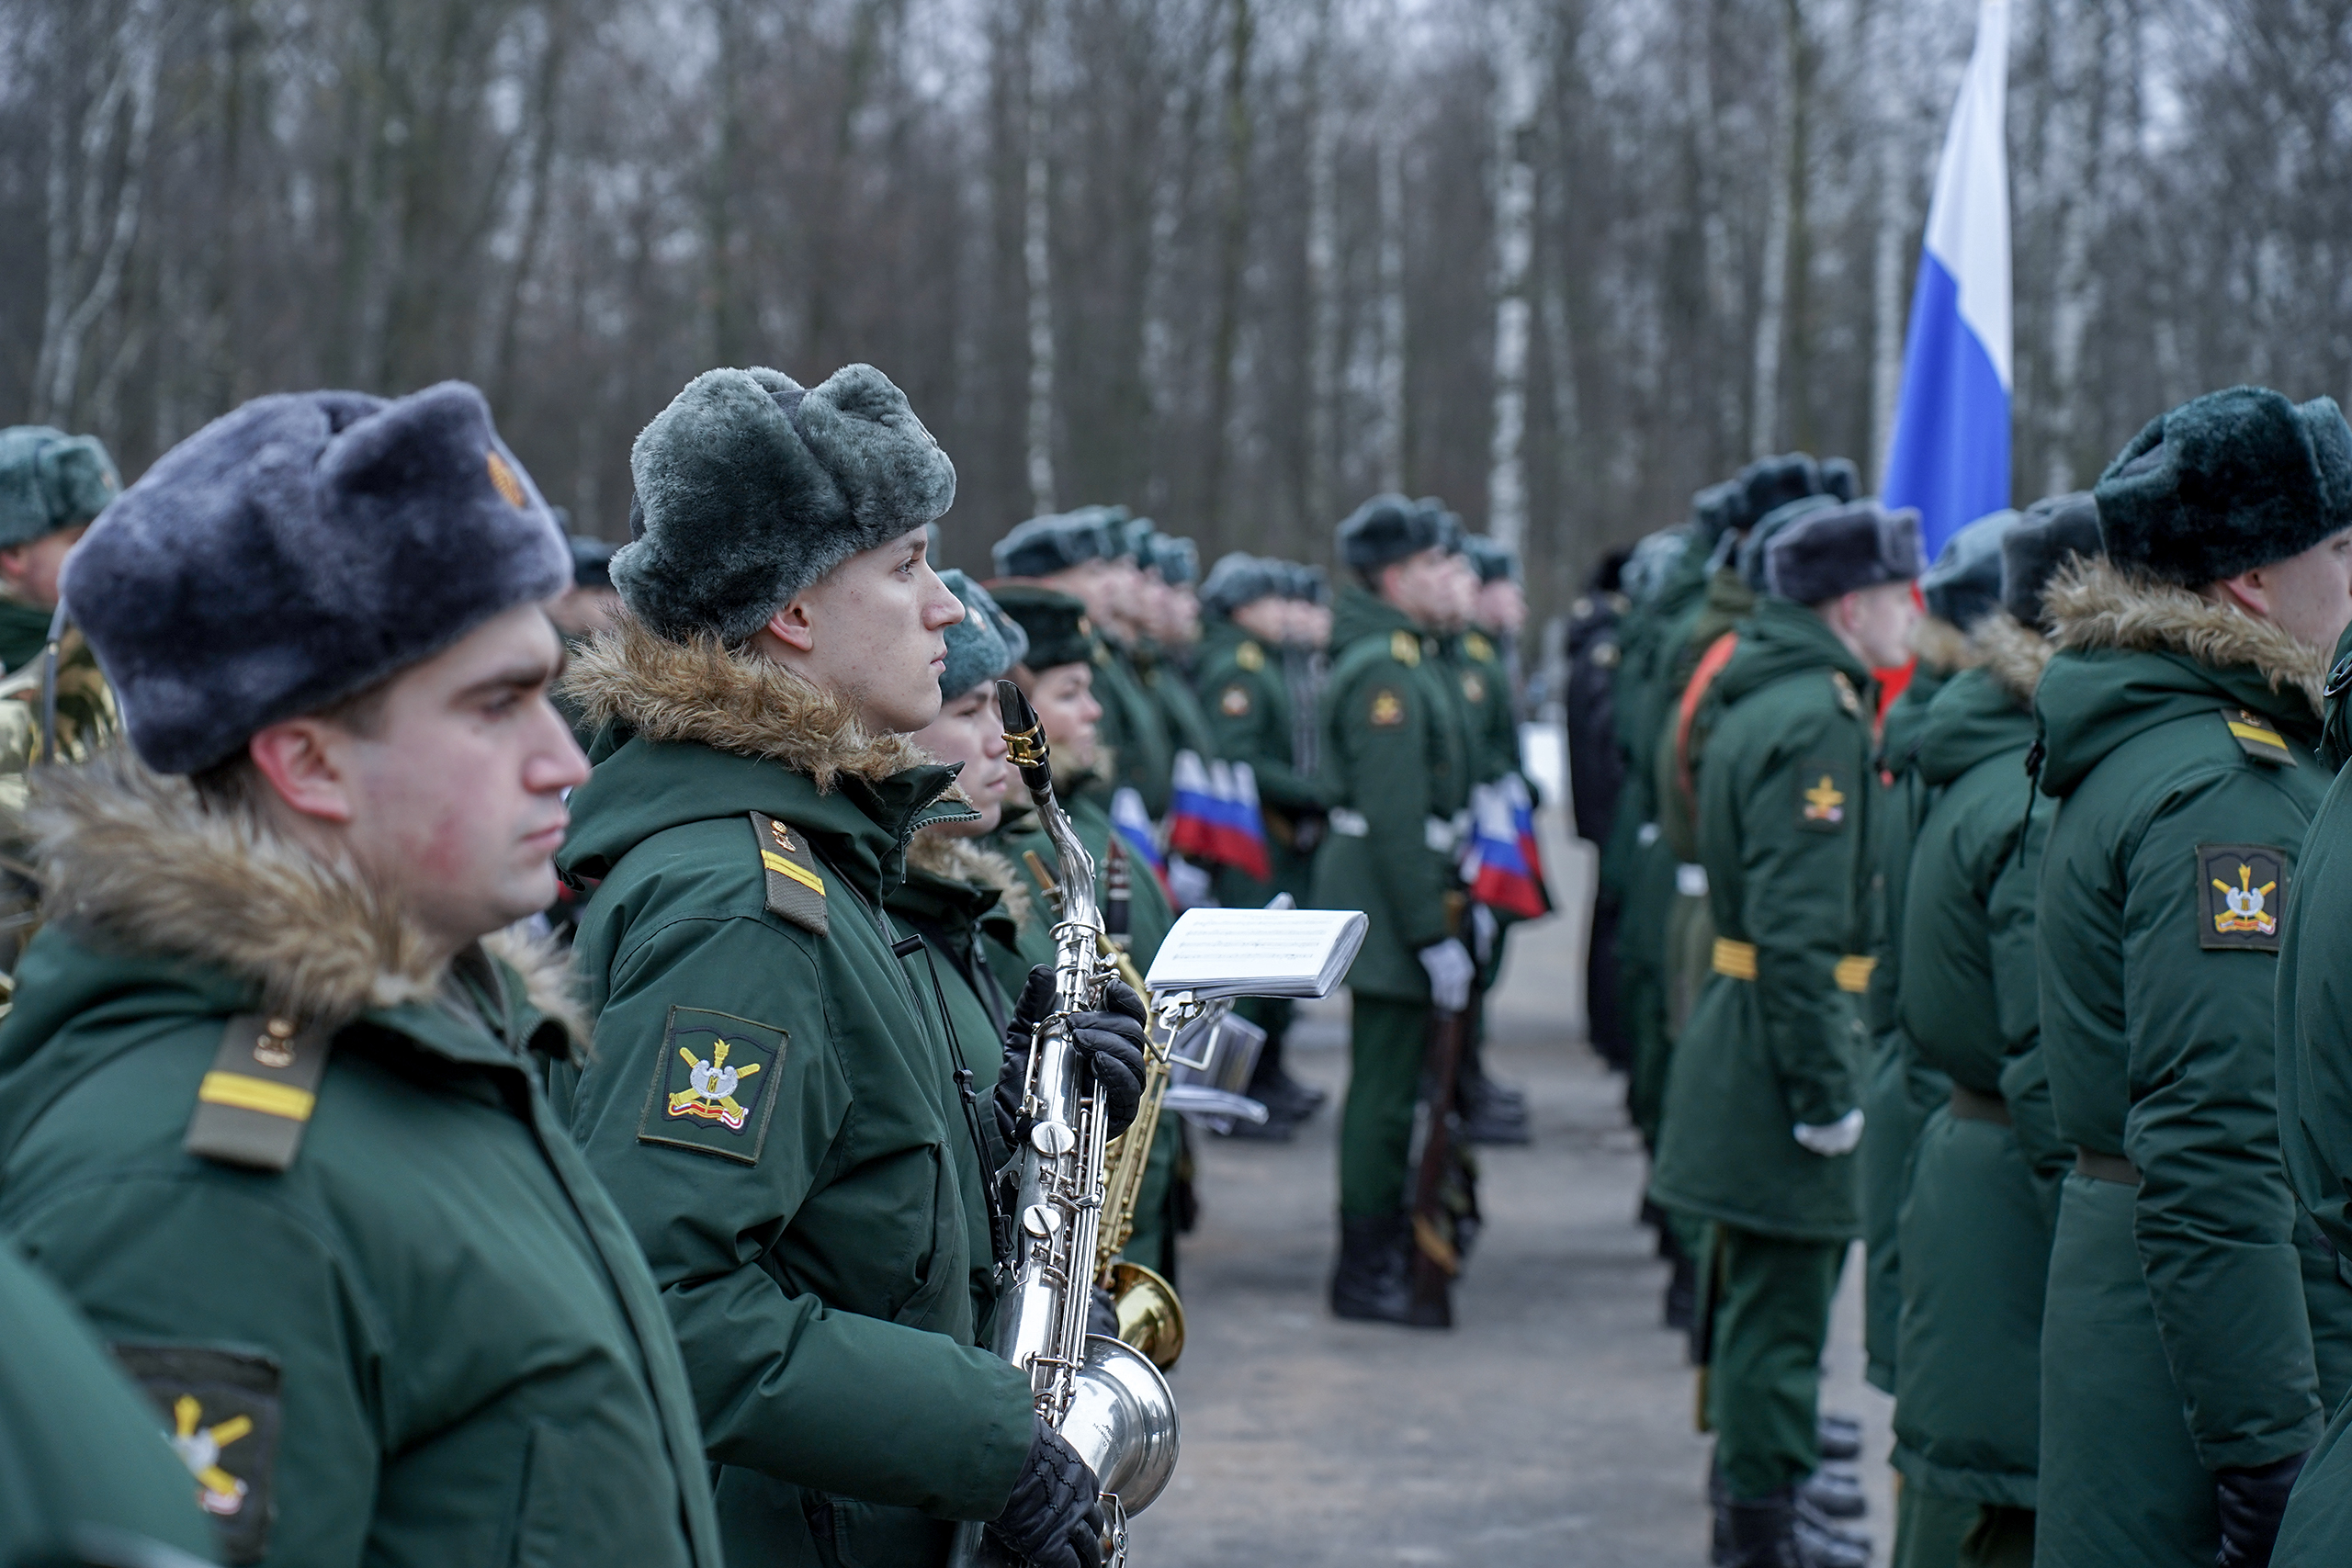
1133, 823
1504, 867
1214, 818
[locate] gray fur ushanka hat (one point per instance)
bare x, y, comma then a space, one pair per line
1388, 528
296, 551
1841, 549
2227, 482
750, 487
1056, 542
1239, 579
2054, 531
1494, 562
50, 480
982, 646
1768, 528
1964, 586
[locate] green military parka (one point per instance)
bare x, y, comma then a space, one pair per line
430, 1338
2176, 1338
1396, 770
1247, 701
811, 1226
1776, 1039
1983, 1189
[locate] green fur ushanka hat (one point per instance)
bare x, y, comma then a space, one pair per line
592, 562
297, 551
50, 480
2225, 483
750, 487
1494, 562
1773, 482
1840, 477
1720, 509
1239, 579
982, 646
2054, 531
1964, 586
1178, 561
1388, 528
1054, 624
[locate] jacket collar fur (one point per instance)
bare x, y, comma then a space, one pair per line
2093, 605
2012, 653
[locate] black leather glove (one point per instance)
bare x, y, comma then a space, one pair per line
1112, 1041
1102, 1313
1054, 1518
2252, 1501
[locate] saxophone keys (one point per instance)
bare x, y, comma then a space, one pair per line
1041, 1220
1052, 1139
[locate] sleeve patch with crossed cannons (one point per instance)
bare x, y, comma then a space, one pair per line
2242, 891
713, 1084
220, 1407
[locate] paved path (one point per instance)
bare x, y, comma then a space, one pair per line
1552, 1427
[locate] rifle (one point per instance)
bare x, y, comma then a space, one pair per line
1437, 1236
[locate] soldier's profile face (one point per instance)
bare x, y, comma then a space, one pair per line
1502, 606
969, 731
2308, 596
1426, 586
453, 797
1877, 623
876, 631
1063, 698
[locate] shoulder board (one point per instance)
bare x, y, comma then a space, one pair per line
796, 887
1480, 649
1404, 649
2259, 738
1847, 698
255, 1103
1250, 656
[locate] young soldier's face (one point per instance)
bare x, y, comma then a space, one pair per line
2310, 595
1063, 698
968, 730
1502, 606
1268, 619
1877, 623
872, 629
453, 798
1424, 585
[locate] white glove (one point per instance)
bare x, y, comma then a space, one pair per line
1483, 932
1838, 1137
1451, 973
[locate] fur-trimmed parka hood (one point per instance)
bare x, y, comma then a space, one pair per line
970, 861
2013, 653
2132, 653
134, 861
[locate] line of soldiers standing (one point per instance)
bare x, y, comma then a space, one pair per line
304, 1147
2023, 981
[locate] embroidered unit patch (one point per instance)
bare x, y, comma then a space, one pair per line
1473, 688
1387, 709
220, 1410
713, 1086
2242, 890
1234, 700
1824, 794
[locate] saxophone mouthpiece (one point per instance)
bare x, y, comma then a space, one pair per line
1024, 737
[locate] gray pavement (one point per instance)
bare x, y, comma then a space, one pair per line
1552, 1426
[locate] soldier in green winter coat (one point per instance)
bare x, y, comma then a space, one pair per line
2315, 1110
1396, 760
2180, 1393
1763, 1108
1087, 554
1246, 693
1974, 1226
1960, 588
272, 1110
1056, 674
775, 1105
51, 486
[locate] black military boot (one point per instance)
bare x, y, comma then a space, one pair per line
1838, 1437
1762, 1534
1825, 1543
1370, 1283
1681, 1293
1834, 1491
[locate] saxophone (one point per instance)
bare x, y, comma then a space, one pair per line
1106, 1399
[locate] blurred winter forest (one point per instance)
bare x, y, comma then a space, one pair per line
1236, 262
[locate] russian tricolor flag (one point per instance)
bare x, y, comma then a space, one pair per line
1133, 823
1215, 819
1950, 455
1505, 869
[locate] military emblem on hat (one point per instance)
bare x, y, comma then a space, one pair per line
713, 1089
1387, 709
221, 1410
2240, 893
1234, 700
502, 480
